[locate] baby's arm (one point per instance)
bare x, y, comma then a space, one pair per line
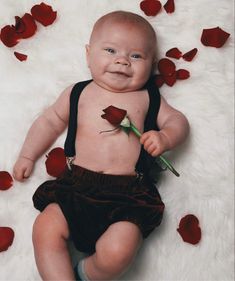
174, 128
44, 131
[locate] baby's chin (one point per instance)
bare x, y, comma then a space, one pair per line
118, 87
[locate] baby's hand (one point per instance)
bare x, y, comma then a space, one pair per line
23, 168
154, 142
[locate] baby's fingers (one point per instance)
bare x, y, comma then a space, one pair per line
144, 138
27, 173
18, 175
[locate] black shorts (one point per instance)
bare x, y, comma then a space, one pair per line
92, 201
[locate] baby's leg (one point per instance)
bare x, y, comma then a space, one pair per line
50, 232
115, 251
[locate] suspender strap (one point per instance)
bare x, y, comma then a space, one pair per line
69, 146
145, 160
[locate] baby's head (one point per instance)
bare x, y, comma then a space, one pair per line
121, 52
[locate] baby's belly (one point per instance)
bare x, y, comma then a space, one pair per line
112, 153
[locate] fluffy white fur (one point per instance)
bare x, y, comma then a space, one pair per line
56, 59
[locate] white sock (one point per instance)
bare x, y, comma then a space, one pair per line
81, 270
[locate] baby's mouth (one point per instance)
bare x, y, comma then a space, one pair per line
120, 74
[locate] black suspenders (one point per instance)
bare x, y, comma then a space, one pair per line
69, 146
145, 160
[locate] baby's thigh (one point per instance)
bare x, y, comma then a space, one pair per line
51, 223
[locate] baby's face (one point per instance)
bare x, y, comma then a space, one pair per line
120, 57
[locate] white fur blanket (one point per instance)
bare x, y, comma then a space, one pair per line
56, 59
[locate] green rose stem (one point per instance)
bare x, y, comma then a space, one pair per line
127, 124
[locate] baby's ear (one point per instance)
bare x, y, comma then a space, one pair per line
88, 54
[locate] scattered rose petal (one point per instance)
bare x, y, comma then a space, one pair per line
170, 79
9, 36
174, 53
114, 115
56, 162
25, 27
166, 66
6, 238
214, 37
169, 6
190, 55
44, 14
150, 7
182, 74
189, 229
6, 180
20, 57
159, 80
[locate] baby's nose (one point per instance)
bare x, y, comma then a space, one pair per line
123, 61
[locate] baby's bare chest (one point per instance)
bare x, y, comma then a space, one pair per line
91, 106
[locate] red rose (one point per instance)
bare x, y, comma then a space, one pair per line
114, 115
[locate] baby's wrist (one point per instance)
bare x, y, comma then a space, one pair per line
167, 142
26, 157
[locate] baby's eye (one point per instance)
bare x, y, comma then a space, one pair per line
110, 50
136, 56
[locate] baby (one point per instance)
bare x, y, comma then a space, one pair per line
105, 201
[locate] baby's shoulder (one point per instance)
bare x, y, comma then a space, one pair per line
63, 101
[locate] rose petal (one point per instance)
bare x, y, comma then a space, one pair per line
6, 180
9, 36
174, 53
169, 6
166, 66
214, 37
44, 14
20, 57
114, 115
56, 162
189, 229
190, 55
182, 74
25, 26
159, 80
170, 79
6, 238
150, 7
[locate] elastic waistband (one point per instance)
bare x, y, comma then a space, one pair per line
100, 178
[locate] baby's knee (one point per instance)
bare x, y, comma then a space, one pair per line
114, 258
49, 224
